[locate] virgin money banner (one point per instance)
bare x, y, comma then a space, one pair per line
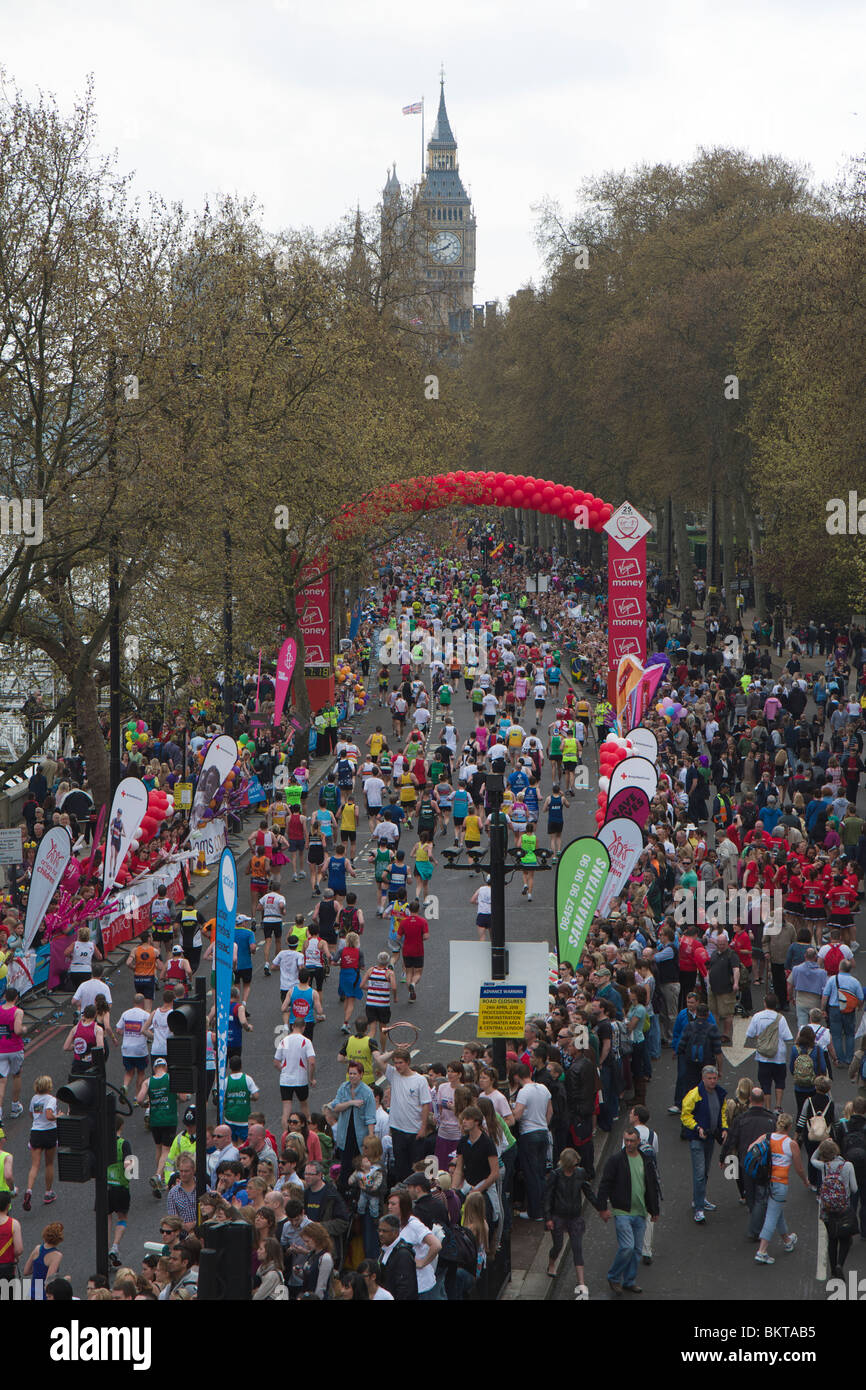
285, 668
219, 760
581, 872
128, 810
626, 590
314, 619
645, 744
634, 772
52, 856
623, 841
224, 939
632, 803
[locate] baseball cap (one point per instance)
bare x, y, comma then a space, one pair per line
177, 950
417, 1180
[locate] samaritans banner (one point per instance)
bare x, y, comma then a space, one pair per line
224, 939
128, 810
580, 877
52, 856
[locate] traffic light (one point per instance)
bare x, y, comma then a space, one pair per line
225, 1263
93, 1113
185, 1049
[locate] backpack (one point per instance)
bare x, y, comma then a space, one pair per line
697, 1044
459, 1248
853, 1147
757, 1161
804, 1070
767, 1041
816, 1127
623, 1036
834, 1194
649, 1153
833, 959
848, 1000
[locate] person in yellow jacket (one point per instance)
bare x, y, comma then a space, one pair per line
704, 1119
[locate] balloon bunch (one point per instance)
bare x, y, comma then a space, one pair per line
427, 494
350, 681
670, 710
136, 734
613, 750
245, 742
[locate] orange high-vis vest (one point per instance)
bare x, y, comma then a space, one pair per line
780, 1160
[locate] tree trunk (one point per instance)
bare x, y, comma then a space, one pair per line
685, 560
726, 535
91, 739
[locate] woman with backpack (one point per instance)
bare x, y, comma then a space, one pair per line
806, 1063
816, 1118
784, 1154
700, 1045
836, 1208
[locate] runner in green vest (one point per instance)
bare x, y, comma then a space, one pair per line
293, 795
162, 1118
6, 1182
528, 859
570, 758
118, 1194
238, 1102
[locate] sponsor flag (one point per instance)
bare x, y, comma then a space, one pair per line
52, 855
632, 803
580, 878
634, 772
128, 810
224, 941
497, 551
623, 841
285, 669
219, 760
644, 743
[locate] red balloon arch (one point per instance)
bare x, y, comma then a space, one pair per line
427, 494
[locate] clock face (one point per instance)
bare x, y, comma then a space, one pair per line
445, 247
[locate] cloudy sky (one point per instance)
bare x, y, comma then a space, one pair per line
299, 104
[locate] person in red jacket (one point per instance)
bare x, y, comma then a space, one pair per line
742, 948
813, 903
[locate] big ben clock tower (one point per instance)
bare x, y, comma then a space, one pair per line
445, 230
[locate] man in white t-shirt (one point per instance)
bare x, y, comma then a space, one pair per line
157, 1029
288, 962
133, 1044
387, 832
482, 898
374, 790
273, 906
88, 990
533, 1111
490, 706
409, 1108
772, 1066
295, 1057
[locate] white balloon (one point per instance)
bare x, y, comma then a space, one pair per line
603, 783
134, 844
612, 738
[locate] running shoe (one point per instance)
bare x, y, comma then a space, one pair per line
412, 994
114, 1259
27, 1199
764, 1259
156, 1186
790, 1243
17, 1110
267, 970
49, 1198
700, 1218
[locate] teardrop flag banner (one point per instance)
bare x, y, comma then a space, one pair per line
632, 803
580, 877
624, 842
52, 856
224, 939
220, 758
644, 743
634, 772
285, 669
128, 810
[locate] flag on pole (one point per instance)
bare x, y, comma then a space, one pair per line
414, 110
495, 553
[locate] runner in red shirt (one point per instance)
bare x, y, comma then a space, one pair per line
413, 931
813, 905
841, 901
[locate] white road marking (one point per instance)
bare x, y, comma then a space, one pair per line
821, 1269
443, 1027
